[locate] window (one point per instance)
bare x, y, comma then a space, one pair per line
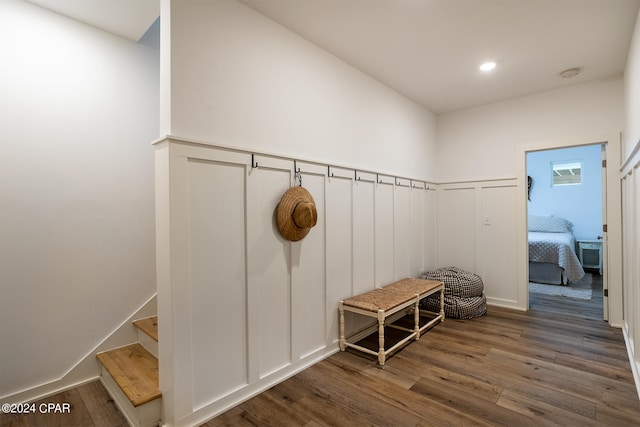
566, 173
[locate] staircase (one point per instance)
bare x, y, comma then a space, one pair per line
130, 375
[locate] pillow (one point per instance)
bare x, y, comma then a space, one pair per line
549, 224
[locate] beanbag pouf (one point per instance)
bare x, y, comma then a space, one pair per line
463, 293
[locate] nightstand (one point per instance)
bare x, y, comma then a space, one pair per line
590, 253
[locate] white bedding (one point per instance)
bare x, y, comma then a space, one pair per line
556, 248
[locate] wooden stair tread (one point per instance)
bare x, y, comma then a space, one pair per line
135, 370
148, 326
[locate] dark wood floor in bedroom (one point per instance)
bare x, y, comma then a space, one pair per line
558, 364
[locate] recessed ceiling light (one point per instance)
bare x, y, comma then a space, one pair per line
488, 66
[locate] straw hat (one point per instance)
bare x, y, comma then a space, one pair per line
296, 213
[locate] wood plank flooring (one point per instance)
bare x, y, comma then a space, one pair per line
558, 364
90, 406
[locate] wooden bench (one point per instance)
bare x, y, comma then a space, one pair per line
382, 303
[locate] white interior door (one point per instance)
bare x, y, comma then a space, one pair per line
605, 286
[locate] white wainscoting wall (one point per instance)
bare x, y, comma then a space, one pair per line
241, 308
630, 187
630, 184
477, 228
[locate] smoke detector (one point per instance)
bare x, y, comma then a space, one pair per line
571, 72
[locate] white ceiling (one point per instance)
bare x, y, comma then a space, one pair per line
127, 18
430, 50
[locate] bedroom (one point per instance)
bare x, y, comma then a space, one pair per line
63, 316
566, 184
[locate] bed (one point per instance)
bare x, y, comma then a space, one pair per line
552, 255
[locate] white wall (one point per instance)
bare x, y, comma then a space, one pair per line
630, 182
484, 145
79, 109
631, 136
582, 203
239, 80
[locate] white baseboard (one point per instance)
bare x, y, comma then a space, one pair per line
504, 303
635, 365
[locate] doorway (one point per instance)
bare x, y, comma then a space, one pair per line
566, 210
612, 237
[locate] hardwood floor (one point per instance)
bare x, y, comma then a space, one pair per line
89, 406
558, 364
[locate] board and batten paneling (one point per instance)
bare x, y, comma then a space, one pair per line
417, 200
430, 229
308, 270
384, 232
633, 286
474, 221
268, 257
240, 307
629, 242
630, 187
363, 236
401, 232
217, 279
339, 229
498, 250
631, 267
457, 234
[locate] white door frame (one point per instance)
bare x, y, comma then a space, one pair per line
612, 247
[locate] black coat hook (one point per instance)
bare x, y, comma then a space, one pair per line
297, 174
